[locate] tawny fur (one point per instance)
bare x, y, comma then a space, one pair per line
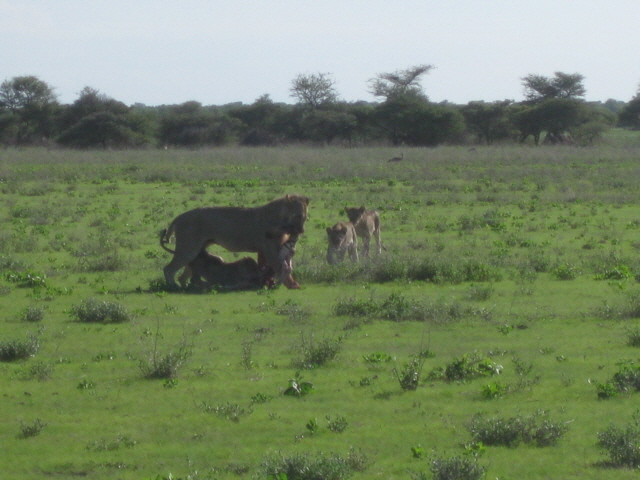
237, 229
342, 239
366, 223
208, 271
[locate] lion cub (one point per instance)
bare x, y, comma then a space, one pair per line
366, 223
342, 239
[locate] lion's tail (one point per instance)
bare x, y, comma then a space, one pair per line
165, 236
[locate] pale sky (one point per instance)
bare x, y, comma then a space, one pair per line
221, 51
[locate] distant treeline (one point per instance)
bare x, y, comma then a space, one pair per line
552, 112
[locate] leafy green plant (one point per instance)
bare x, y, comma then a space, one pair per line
312, 426
261, 398
409, 375
298, 388
95, 311
466, 368
377, 358
337, 425
417, 451
494, 390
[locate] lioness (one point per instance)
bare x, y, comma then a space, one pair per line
207, 271
238, 229
342, 239
366, 223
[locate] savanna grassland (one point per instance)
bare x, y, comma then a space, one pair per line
498, 331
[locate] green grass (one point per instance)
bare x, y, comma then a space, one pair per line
523, 257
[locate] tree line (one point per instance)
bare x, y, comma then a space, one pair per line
553, 111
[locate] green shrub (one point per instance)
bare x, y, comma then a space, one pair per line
409, 376
622, 445
95, 311
19, 350
32, 429
456, 468
338, 425
32, 314
466, 368
307, 466
510, 432
315, 354
163, 366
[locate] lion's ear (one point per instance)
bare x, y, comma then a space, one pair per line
362, 209
328, 230
288, 197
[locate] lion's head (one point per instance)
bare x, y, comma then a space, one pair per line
294, 214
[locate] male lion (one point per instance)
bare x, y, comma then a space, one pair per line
366, 223
207, 271
342, 239
238, 229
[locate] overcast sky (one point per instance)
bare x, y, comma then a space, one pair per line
220, 51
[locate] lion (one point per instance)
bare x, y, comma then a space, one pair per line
366, 223
237, 229
208, 271
342, 239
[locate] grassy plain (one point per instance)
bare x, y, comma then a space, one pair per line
519, 256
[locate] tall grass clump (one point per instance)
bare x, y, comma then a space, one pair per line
95, 311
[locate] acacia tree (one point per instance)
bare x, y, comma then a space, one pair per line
406, 116
400, 83
553, 105
314, 90
28, 106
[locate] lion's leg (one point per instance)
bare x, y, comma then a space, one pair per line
181, 258
378, 241
353, 252
185, 276
366, 240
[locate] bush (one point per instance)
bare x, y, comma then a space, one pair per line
316, 354
32, 429
306, 466
466, 368
510, 432
622, 445
32, 314
456, 468
158, 366
95, 311
16, 350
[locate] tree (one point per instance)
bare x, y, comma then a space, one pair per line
489, 121
400, 83
553, 104
31, 105
315, 90
190, 124
96, 120
561, 85
629, 116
